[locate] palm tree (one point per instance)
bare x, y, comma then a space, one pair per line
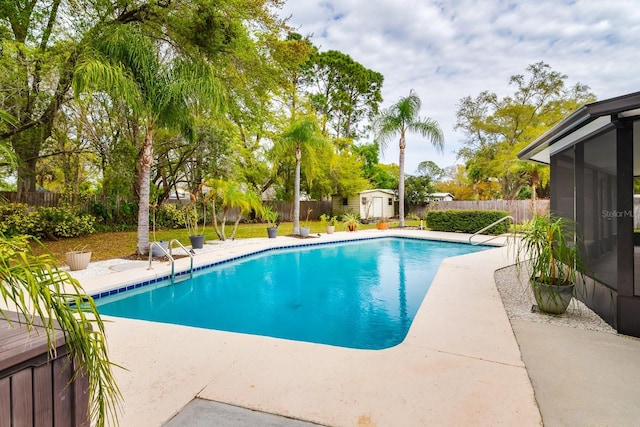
160, 94
227, 195
303, 135
401, 118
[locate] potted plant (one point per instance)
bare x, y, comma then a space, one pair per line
78, 259
192, 223
304, 231
382, 224
552, 261
351, 220
329, 223
271, 217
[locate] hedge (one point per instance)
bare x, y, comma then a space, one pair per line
467, 221
18, 218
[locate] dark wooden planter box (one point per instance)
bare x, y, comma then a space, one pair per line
34, 389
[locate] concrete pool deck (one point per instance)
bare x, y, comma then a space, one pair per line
460, 363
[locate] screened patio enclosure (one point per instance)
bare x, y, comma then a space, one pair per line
594, 156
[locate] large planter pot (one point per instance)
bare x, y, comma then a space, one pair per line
197, 242
352, 227
330, 229
382, 225
156, 251
304, 231
78, 260
553, 299
272, 232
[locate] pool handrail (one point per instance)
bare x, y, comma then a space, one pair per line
190, 253
488, 227
165, 252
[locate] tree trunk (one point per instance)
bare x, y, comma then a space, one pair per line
145, 161
296, 193
27, 146
401, 183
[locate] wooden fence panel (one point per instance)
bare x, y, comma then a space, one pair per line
520, 210
285, 209
36, 198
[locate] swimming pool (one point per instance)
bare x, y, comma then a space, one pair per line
359, 294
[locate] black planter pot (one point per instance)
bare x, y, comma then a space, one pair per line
553, 299
197, 242
272, 232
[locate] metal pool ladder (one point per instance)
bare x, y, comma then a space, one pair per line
170, 256
504, 218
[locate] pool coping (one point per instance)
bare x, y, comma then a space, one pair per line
460, 362
151, 278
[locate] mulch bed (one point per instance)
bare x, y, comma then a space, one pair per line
297, 236
138, 257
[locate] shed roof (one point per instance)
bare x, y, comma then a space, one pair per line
585, 122
378, 190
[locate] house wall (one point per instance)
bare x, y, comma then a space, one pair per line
592, 184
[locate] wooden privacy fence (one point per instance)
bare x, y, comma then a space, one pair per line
520, 210
284, 209
35, 198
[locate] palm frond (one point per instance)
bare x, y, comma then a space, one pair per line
34, 287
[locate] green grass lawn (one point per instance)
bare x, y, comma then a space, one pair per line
108, 245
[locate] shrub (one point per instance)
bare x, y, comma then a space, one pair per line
18, 218
100, 211
66, 222
465, 221
168, 216
115, 211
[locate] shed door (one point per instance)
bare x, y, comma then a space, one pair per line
376, 210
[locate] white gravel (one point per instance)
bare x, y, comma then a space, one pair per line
518, 300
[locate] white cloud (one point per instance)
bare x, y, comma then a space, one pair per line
450, 49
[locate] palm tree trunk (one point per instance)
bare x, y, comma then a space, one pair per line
296, 193
401, 184
144, 180
235, 227
215, 218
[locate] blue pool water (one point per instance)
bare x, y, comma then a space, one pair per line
361, 294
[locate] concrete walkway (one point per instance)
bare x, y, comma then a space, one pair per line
581, 377
459, 365
560, 362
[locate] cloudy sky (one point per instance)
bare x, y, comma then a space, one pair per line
446, 50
